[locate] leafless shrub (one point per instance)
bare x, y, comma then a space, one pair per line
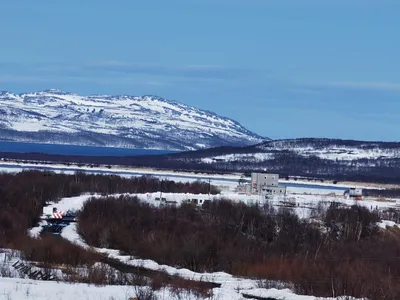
145, 293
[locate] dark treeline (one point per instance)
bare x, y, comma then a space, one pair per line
345, 254
323, 143
384, 193
23, 195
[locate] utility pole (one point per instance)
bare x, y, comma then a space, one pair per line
161, 188
209, 187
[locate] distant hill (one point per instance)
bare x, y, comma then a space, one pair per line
313, 158
145, 122
324, 158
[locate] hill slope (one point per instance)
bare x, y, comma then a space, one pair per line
325, 149
320, 158
146, 122
316, 158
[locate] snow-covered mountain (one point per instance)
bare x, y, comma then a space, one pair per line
147, 122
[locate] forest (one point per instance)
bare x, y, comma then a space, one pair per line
341, 253
23, 195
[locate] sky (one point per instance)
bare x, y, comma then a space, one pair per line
283, 69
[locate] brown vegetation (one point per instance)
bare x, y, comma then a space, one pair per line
23, 195
353, 257
56, 251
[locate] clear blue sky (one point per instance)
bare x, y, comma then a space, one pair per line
300, 68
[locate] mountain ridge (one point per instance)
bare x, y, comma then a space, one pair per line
148, 122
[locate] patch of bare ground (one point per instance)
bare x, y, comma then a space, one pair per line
392, 232
381, 199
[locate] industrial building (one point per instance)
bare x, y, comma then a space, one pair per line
264, 184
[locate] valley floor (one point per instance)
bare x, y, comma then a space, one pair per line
11, 167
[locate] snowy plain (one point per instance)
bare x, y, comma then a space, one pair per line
229, 179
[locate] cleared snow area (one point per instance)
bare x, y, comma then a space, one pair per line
328, 184
31, 126
11, 169
238, 157
7, 166
26, 289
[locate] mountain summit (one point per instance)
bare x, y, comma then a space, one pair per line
147, 122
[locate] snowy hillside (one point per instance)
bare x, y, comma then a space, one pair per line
321, 158
329, 149
334, 149
146, 122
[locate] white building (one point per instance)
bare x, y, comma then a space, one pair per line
263, 184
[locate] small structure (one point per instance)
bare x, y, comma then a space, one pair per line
243, 188
56, 220
198, 202
353, 193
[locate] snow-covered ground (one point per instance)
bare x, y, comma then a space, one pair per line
385, 224
26, 289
